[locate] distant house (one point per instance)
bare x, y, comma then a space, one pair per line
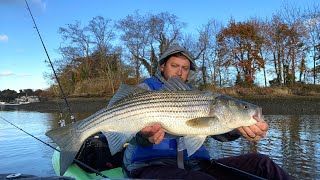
33, 99
27, 99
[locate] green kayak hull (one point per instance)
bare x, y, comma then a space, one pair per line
76, 172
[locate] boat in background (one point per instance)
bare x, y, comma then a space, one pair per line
27, 99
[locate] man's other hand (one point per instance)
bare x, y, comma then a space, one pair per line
154, 133
255, 132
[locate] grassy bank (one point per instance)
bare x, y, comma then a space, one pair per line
295, 105
275, 100
296, 91
298, 105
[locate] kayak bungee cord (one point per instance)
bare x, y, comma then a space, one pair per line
64, 97
55, 74
47, 144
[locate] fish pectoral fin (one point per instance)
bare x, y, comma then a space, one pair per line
201, 122
193, 143
116, 140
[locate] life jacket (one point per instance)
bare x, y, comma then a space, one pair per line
154, 83
167, 149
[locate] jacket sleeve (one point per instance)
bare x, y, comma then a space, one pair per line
229, 136
144, 86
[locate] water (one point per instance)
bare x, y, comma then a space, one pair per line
292, 142
20, 153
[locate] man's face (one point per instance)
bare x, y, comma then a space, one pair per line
176, 66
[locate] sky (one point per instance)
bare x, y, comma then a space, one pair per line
22, 57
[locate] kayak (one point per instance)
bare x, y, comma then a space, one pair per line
78, 173
96, 154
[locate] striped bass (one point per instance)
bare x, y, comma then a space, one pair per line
193, 115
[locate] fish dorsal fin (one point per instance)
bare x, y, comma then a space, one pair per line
175, 84
124, 91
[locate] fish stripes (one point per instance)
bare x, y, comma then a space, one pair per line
191, 114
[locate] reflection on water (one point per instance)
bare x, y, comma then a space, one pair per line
21, 153
292, 142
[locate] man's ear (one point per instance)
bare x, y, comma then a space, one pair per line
162, 67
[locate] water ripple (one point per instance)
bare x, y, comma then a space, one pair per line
292, 142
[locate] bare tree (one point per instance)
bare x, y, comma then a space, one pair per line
276, 37
78, 46
135, 38
146, 37
205, 50
265, 50
297, 35
312, 23
103, 34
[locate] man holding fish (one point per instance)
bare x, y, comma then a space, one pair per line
167, 124
150, 155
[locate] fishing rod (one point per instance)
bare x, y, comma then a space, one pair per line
47, 144
238, 171
54, 72
63, 94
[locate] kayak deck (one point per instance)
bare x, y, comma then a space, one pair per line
76, 172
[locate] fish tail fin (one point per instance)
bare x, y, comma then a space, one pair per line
69, 142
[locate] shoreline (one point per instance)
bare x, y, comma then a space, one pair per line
290, 105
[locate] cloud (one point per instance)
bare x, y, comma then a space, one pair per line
37, 4
4, 38
24, 75
40, 3
10, 73
6, 73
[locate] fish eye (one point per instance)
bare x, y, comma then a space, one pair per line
245, 106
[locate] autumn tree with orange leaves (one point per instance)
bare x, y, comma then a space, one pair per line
244, 43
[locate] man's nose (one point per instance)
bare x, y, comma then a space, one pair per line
179, 71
